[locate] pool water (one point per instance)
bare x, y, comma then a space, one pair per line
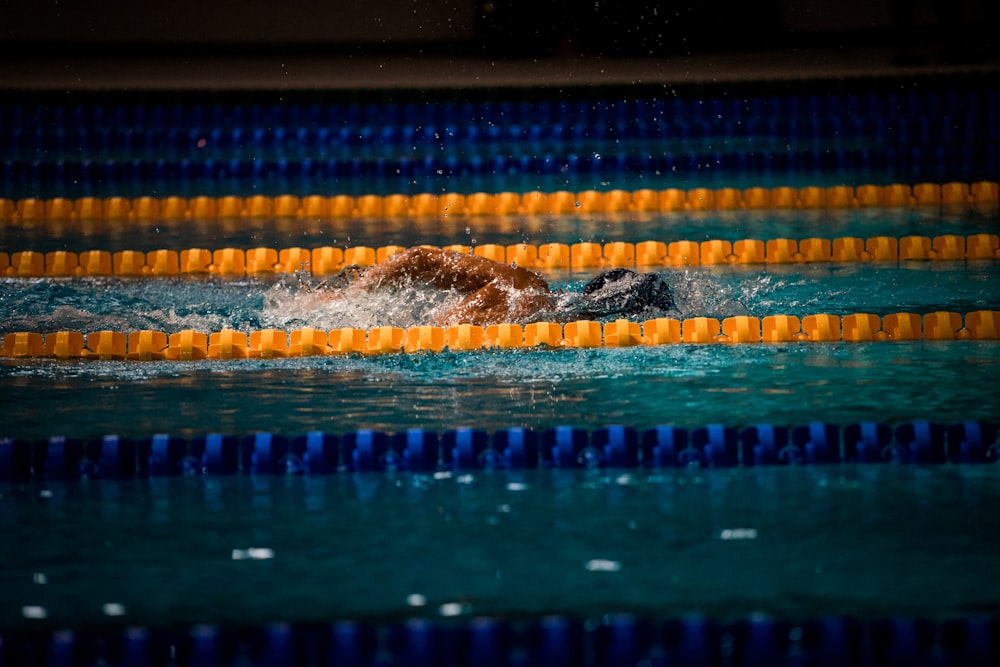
683, 385
686, 386
87, 559
785, 542
732, 225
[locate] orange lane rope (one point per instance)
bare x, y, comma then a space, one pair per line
275, 344
981, 194
328, 259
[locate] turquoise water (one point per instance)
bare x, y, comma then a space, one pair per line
642, 387
799, 542
113, 236
674, 384
866, 541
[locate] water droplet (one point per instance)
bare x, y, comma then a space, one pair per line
603, 565
34, 611
452, 609
739, 534
253, 553
113, 609
577, 204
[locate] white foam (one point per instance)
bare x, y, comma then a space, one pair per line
286, 308
699, 294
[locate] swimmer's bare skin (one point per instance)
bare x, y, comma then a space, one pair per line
496, 292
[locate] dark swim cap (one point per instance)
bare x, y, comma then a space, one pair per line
625, 292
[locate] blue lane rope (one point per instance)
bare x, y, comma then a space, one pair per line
139, 127
552, 641
464, 449
85, 146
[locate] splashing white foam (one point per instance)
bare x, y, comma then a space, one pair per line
697, 294
289, 308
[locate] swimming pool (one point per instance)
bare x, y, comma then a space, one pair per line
638, 551
637, 386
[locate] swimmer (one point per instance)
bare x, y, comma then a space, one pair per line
496, 292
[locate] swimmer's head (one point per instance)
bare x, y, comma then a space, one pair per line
624, 292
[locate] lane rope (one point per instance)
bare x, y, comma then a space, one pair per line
328, 260
189, 345
476, 638
463, 448
979, 194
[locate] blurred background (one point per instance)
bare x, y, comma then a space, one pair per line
914, 29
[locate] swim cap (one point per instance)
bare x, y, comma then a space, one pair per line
625, 292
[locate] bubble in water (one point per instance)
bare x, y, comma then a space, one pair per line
577, 204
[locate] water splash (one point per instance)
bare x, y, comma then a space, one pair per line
288, 307
288, 302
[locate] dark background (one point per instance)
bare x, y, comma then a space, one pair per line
495, 28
